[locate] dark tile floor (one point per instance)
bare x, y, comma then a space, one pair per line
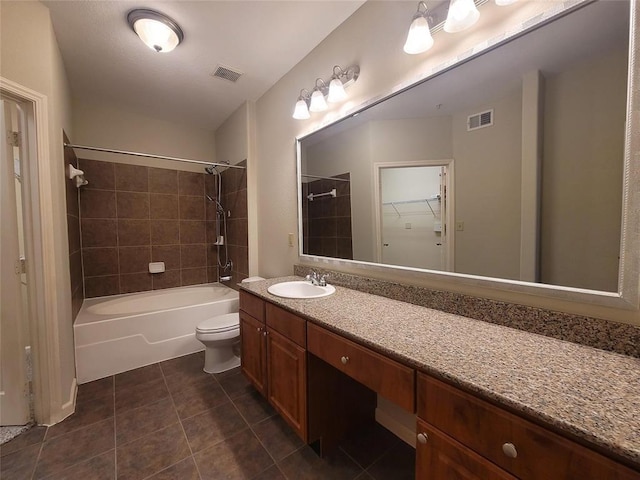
173, 421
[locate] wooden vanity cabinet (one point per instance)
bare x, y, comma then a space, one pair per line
287, 367
438, 456
274, 357
483, 433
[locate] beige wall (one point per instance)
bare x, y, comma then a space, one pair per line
113, 126
583, 146
372, 37
30, 57
232, 137
487, 171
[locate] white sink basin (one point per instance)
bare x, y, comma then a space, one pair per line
300, 289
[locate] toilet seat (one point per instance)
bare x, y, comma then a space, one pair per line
219, 324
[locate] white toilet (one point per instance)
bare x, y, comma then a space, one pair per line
221, 338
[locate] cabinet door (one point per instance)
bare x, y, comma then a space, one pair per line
252, 338
287, 385
440, 457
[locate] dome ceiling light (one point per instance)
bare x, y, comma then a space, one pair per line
157, 31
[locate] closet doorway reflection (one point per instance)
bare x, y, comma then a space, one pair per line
414, 214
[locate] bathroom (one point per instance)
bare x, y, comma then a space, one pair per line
258, 130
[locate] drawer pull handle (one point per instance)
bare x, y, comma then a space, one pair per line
509, 449
344, 360
423, 438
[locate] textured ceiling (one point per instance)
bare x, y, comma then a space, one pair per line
106, 61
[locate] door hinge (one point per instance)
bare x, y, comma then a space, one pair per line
14, 138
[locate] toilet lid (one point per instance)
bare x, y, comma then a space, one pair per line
221, 323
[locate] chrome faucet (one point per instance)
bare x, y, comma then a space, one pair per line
315, 279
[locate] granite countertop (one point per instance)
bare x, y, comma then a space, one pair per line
591, 393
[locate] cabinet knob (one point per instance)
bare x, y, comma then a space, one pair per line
509, 449
259, 329
265, 333
344, 360
423, 438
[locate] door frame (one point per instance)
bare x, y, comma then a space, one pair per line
41, 268
449, 251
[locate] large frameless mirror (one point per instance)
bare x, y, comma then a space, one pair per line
509, 166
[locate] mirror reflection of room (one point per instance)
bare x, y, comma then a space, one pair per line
535, 130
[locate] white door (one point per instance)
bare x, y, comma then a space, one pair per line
413, 219
14, 392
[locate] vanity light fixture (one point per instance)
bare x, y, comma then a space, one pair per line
301, 111
334, 92
318, 103
462, 14
419, 38
336, 88
157, 31
504, 3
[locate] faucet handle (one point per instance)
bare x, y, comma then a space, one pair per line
312, 277
323, 280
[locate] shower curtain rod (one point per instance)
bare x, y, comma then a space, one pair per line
148, 155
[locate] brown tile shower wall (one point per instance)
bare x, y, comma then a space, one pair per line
326, 221
234, 202
132, 215
73, 230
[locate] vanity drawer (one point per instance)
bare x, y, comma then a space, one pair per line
387, 377
515, 444
288, 324
253, 305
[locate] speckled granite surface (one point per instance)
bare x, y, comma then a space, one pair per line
594, 332
588, 392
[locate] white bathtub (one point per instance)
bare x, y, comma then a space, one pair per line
118, 333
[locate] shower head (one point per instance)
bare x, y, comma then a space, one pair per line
211, 169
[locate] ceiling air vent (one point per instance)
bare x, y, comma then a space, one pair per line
480, 120
226, 73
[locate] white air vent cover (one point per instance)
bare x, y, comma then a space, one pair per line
480, 120
226, 73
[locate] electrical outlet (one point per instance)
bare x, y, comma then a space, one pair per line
291, 239
459, 226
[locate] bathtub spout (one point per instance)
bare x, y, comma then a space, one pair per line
225, 278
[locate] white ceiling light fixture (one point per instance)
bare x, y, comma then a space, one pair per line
504, 3
419, 38
334, 92
159, 32
462, 15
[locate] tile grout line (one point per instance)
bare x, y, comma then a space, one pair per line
35, 464
255, 435
164, 377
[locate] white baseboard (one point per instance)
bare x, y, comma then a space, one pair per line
69, 407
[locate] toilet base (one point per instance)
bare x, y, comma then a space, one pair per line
218, 360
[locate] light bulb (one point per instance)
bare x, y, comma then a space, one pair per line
301, 112
419, 39
504, 3
336, 91
318, 103
462, 14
